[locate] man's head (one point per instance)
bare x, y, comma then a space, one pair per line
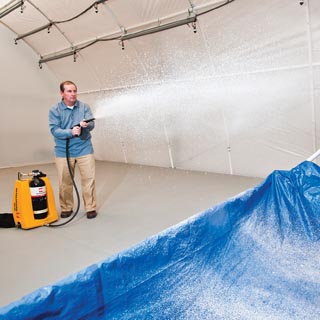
68, 91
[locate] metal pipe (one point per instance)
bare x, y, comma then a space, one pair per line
314, 156
159, 28
58, 56
10, 9
169, 146
51, 23
47, 26
192, 18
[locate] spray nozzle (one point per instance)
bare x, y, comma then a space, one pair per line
87, 121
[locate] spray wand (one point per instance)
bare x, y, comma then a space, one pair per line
86, 121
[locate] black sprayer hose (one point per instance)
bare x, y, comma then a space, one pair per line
75, 187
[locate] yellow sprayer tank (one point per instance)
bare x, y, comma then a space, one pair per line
33, 203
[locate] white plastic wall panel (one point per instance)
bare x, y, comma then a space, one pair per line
256, 36
81, 72
275, 128
131, 13
26, 94
313, 13
316, 101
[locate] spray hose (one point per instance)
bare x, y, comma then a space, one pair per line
75, 187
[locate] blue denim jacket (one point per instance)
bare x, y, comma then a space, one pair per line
61, 120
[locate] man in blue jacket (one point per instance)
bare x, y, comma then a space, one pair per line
66, 121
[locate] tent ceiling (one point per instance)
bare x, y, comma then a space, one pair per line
239, 96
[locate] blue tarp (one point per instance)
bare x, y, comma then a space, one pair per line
255, 256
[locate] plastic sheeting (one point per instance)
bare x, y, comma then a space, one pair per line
255, 256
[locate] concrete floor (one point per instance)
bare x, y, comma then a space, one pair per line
134, 202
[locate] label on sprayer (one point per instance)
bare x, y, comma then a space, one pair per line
38, 191
38, 196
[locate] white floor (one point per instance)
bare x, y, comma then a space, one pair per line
134, 202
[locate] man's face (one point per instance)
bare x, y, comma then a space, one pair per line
69, 95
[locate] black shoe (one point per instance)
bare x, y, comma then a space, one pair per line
66, 214
91, 214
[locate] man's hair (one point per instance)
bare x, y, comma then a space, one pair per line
62, 84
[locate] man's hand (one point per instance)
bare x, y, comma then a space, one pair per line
76, 131
84, 123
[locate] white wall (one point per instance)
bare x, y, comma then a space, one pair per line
241, 96
26, 93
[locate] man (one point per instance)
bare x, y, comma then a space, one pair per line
66, 121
